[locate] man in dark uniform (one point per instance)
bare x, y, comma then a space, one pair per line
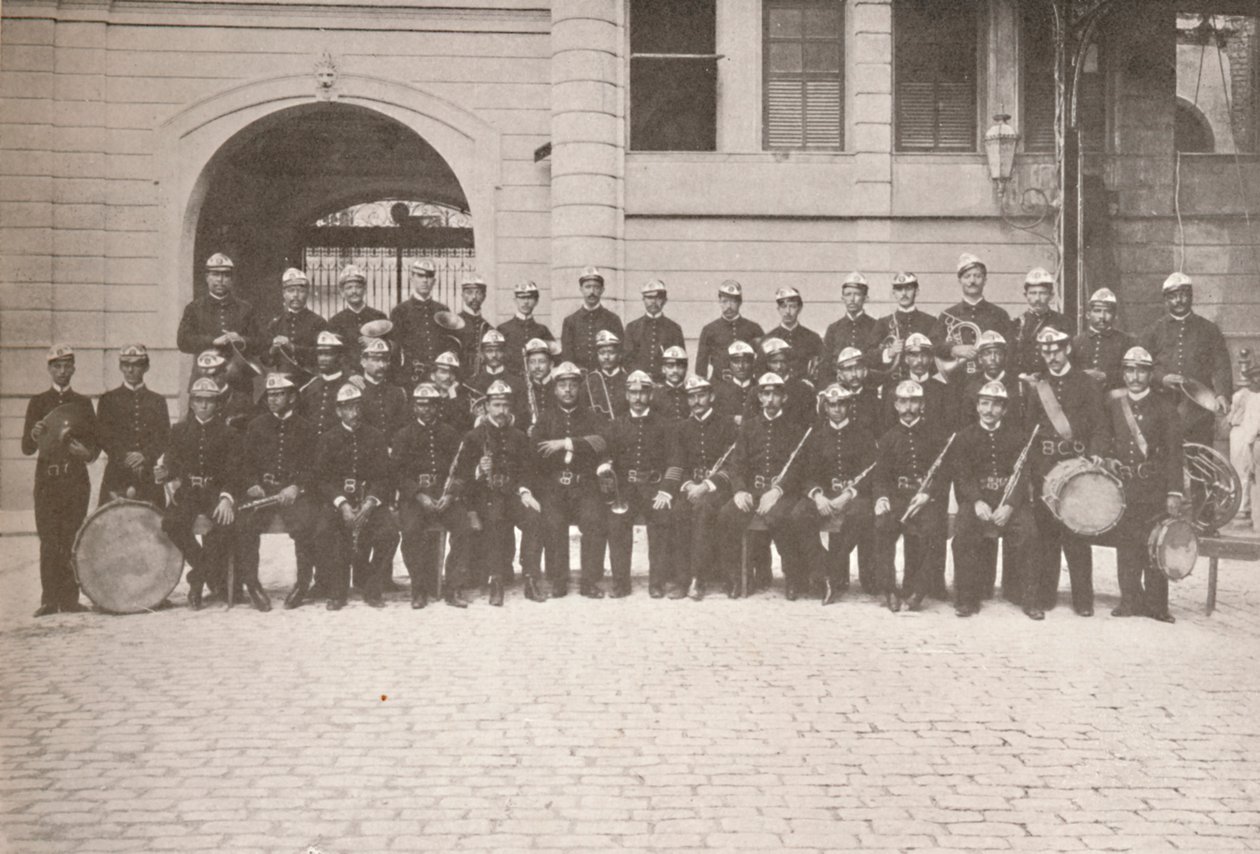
732, 391
317, 400
853, 374
133, 425
355, 478
62, 485
291, 335
494, 369
522, 327
499, 468
420, 337
220, 319
649, 336
455, 406
760, 478
706, 442
577, 335
425, 454
938, 401
605, 387
237, 406
806, 344
1038, 293
1187, 346
893, 330
1067, 406
348, 323
800, 402
855, 328
202, 471
642, 471
907, 453
1098, 350
384, 408
717, 335
669, 399
472, 291
536, 384
1149, 461
983, 461
974, 309
279, 460
836, 476
570, 443
991, 358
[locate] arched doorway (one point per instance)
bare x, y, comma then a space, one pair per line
284, 191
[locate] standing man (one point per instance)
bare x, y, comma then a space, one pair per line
1099, 349
577, 335
522, 327
419, 335
292, 334
317, 400
1187, 346
494, 369
472, 292
732, 392
800, 404
991, 358
938, 400
424, 454
279, 460
806, 344
348, 323
383, 407
455, 405
853, 375
973, 309
202, 471
705, 439
570, 443
1067, 406
983, 461
605, 391
499, 468
670, 397
649, 336
855, 328
536, 384
354, 474
717, 336
62, 486
133, 425
1150, 462
1038, 293
219, 319
893, 330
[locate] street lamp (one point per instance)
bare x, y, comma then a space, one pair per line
999, 145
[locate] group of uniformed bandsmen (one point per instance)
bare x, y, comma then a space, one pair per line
376, 429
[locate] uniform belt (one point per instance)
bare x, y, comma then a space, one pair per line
199, 481
993, 484
57, 469
839, 485
1141, 471
270, 479
568, 477
427, 480
699, 474
643, 476
498, 481
1062, 448
351, 487
908, 484
761, 481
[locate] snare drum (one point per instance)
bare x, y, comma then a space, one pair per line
1173, 548
123, 559
1085, 497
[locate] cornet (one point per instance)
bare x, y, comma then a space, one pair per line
957, 331
619, 505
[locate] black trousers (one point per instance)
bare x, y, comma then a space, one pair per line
831, 563
975, 553
61, 503
207, 561
118, 478
372, 561
420, 545
694, 546
928, 522
732, 522
1143, 585
563, 506
621, 535
500, 515
1041, 581
306, 522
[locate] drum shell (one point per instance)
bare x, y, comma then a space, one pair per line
122, 558
1085, 497
1173, 548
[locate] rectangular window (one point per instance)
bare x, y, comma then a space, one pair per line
673, 75
1036, 45
803, 64
935, 65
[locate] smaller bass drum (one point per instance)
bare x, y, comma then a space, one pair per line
123, 559
1174, 548
1085, 497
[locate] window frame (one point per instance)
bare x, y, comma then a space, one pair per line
839, 76
978, 7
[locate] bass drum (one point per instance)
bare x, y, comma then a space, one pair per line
123, 559
1085, 497
1174, 548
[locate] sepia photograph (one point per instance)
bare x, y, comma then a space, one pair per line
629, 425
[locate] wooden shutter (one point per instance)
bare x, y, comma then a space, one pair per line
803, 74
935, 66
1037, 54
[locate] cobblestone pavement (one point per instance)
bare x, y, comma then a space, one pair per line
629, 725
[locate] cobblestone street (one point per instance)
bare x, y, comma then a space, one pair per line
629, 725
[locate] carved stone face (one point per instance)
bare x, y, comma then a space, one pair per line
326, 76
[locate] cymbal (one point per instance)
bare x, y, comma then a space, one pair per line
59, 425
448, 320
376, 328
1199, 393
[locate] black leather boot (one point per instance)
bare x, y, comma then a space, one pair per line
258, 597
194, 595
831, 593
532, 591
419, 596
454, 599
916, 602
496, 592
296, 597
892, 602
592, 591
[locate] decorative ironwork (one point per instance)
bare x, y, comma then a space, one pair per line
382, 214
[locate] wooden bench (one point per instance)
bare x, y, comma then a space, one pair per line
1230, 548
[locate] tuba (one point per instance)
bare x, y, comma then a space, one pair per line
957, 331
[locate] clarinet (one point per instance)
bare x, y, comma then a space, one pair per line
913, 508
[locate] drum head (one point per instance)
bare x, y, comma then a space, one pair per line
1090, 503
123, 560
1174, 548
